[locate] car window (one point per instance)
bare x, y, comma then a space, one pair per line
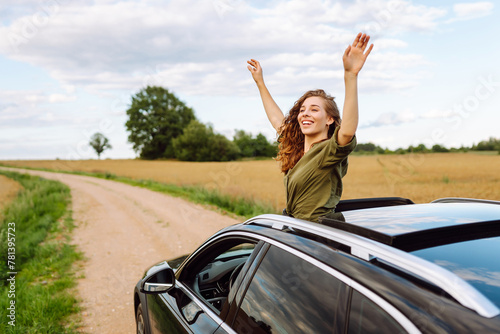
290, 295
212, 273
367, 317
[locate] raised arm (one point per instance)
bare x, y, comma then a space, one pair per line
353, 59
273, 112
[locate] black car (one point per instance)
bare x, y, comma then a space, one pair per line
383, 265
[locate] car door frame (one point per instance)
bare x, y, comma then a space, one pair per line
190, 265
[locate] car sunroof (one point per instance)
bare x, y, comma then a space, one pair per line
411, 227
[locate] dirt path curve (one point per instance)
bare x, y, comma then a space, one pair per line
122, 230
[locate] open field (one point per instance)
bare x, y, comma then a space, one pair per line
420, 177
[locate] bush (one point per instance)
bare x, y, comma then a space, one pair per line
254, 147
198, 142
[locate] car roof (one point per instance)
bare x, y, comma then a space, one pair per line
413, 227
460, 235
397, 220
412, 236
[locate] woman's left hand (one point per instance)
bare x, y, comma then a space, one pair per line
355, 56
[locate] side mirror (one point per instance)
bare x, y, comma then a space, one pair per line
158, 279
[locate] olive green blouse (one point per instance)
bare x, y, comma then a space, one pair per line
314, 184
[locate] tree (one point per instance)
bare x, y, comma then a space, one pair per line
370, 148
198, 142
367, 147
421, 148
245, 143
263, 148
156, 117
439, 149
492, 144
99, 143
254, 147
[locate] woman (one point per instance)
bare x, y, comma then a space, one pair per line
314, 144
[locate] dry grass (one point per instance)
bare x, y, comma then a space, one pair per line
420, 177
8, 191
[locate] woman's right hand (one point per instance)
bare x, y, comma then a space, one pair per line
273, 112
256, 70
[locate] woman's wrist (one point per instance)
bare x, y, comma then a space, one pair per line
260, 84
350, 75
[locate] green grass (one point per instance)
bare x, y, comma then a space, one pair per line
239, 206
484, 152
44, 260
229, 204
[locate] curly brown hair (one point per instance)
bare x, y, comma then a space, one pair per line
291, 140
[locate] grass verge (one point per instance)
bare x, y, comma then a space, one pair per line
228, 204
239, 206
37, 262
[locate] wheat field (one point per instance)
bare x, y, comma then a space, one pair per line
420, 177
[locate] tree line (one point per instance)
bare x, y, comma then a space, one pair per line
492, 144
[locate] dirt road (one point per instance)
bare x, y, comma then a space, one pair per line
122, 230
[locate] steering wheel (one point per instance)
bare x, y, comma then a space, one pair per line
234, 274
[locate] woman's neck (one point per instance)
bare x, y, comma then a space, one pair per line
309, 141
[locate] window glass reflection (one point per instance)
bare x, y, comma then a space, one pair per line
289, 295
475, 261
367, 317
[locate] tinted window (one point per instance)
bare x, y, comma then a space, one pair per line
289, 295
367, 317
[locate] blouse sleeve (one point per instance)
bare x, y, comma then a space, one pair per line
334, 153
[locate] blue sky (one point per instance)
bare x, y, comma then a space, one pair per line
69, 68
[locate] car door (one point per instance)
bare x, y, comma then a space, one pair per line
179, 312
290, 294
199, 301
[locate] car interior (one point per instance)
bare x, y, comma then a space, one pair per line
217, 275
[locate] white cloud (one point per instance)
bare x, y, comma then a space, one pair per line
58, 98
70, 89
391, 118
34, 98
396, 17
34, 108
390, 43
385, 61
200, 45
405, 116
471, 11
437, 114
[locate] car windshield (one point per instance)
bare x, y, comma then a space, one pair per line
475, 261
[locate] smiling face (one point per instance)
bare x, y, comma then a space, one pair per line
313, 119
